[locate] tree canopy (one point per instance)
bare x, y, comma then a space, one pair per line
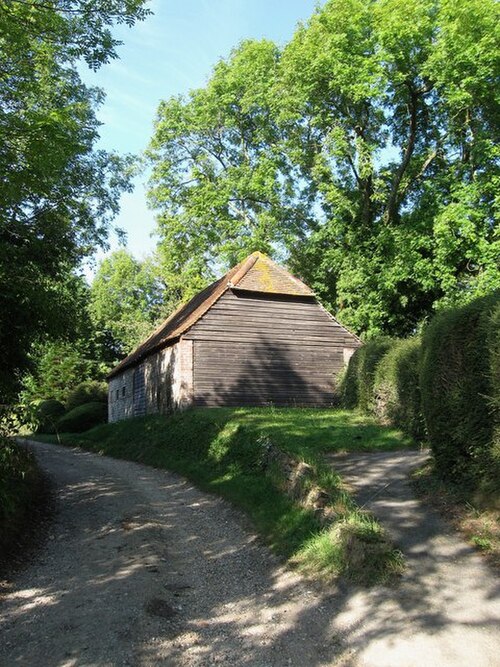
58, 194
365, 151
126, 300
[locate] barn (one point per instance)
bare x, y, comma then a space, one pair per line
256, 337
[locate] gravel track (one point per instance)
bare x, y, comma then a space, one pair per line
446, 610
140, 568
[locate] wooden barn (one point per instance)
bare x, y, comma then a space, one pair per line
255, 337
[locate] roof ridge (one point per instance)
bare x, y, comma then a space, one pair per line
187, 314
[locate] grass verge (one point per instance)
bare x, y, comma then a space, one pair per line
22, 493
479, 525
223, 451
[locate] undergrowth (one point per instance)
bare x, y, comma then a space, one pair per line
221, 451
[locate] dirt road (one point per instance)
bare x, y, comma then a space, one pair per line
446, 610
142, 569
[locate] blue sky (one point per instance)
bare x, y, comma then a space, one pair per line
170, 53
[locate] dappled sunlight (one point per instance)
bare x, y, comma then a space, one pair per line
168, 575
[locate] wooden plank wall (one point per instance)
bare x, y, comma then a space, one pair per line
252, 349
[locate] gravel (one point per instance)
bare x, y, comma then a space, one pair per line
141, 568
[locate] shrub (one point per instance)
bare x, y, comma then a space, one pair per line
396, 388
493, 342
89, 391
458, 391
357, 384
83, 417
47, 415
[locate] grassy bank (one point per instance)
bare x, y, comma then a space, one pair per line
224, 451
21, 492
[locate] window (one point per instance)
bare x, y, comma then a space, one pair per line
117, 394
123, 390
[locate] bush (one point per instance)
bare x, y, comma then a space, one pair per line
47, 415
356, 386
83, 417
21, 491
459, 392
493, 342
89, 391
396, 388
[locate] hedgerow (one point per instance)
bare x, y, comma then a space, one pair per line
396, 388
356, 386
83, 417
460, 392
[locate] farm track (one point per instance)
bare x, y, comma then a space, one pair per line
141, 569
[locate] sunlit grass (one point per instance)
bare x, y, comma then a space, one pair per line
221, 451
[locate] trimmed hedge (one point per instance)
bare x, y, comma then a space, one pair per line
48, 414
396, 388
89, 391
83, 417
493, 338
356, 386
459, 392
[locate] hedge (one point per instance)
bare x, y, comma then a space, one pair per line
83, 417
356, 386
47, 415
396, 388
459, 392
89, 391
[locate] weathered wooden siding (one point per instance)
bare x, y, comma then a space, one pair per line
161, 383
252, 349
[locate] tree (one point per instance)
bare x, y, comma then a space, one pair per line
396, 125
58, 195
59, 367
221, 182
366, 151
126, 300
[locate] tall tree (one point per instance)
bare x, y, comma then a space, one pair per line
58, 194
367, 149
127, 299
395, 110
220, 181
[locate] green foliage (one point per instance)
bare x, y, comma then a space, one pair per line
83, 417
458, 390
396, 388
20, 486
493, 343
47, 415
126, 299
221, 182
59, 368
357, 383
365, 151
397, 128
58, 194
221, 451
89, 391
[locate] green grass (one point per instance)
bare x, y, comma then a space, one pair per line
221, 450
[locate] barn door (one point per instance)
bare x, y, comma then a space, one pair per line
139, 392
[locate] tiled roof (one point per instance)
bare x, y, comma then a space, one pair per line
257, 273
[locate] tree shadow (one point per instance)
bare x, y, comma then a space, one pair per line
159, 573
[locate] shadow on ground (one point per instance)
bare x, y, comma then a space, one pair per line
143, 569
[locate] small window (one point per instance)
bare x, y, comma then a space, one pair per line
117, 394
123, 390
